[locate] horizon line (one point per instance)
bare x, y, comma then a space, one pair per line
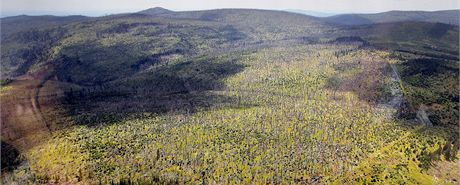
114, 12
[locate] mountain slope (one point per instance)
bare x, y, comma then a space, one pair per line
260, 24
430, 70
194, 31
445, 16
429, 38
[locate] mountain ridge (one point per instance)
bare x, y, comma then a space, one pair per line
451, 16
442, 16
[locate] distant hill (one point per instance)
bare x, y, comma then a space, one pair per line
30, 42
311, 13
155, 11
237, 16
433, 39
446, 16
25, 22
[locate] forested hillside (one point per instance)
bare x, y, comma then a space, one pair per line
451, 17
228, 96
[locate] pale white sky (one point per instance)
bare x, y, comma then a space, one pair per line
101, 7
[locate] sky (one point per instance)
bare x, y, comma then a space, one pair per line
104, 7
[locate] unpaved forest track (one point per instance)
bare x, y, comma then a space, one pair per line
392, 107
395, 87
390, 110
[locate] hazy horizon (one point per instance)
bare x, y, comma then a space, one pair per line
107, 7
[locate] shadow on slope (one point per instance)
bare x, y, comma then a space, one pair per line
109, 69
9, 157
32, 110
183, 87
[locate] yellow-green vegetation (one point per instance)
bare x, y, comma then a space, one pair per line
5, 88
285, 123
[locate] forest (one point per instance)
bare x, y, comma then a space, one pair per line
229, 96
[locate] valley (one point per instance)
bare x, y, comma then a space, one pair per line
227, 96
